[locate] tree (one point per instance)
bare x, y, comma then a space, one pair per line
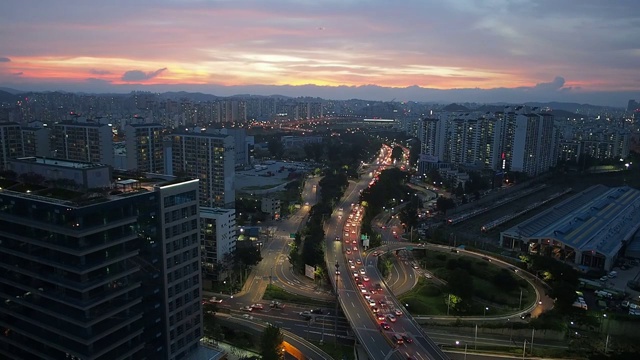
396, 153
271, 344
444, 203
249, 256
459, 190
275, 147
460, 283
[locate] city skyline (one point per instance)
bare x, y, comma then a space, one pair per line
497, 51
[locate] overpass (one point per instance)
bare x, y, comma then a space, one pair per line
376, 341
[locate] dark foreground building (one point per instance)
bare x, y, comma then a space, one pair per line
111, 273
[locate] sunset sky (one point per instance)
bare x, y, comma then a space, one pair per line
545, 47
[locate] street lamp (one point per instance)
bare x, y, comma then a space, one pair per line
322, 338
465, 349
485, 311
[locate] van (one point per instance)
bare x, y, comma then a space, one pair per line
612, 274
397, 339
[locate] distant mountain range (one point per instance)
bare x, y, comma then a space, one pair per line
10, 95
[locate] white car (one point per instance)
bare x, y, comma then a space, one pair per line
391, 317
365, 278
372, 302
362, 272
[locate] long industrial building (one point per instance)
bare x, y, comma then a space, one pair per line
591, 229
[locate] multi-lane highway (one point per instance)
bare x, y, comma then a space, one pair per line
379, 322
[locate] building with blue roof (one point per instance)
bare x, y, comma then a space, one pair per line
590, 229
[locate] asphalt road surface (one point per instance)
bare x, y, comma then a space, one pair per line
377, 341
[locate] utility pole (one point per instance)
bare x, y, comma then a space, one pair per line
335, 329
520, 306
524, 348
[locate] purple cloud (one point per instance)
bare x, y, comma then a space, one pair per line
138, 75
556, 84
4, 59
99, 72
17, 73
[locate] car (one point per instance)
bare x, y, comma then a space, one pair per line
316, 311
375, 310
258, 306
365, 278
428, 276
306, 315
355, 248
352, 266
354, 241
346, 234
513, 268
391, 317
360, 285
604, 278
276, 305
398, 312
372, 302
525, 316
366, 295
378, 287
337, 272
384, 325
415, 266
337, 238
348, 251
407, 339
362, 272
359, 261
380, 317
215, 300
355, 274
363, 290
246, 308
486, 258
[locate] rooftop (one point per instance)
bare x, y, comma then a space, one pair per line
597, 219
60, 162
124, 184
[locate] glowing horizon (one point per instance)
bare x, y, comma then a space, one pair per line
458, 44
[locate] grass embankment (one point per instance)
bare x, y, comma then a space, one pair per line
489, 286
338, 351
274, 292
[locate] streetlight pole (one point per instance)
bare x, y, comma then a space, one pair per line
520, 306
335, 329
322, 338
485, 311
465, 349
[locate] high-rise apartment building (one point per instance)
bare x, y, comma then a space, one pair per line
36, 140
10, 143
534, 144
144, 148
83, 141
100, 275
209, 157
240, 144
218, 239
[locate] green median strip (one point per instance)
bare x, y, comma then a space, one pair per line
274, 292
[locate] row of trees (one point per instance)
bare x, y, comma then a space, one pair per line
342, 155
391, 184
